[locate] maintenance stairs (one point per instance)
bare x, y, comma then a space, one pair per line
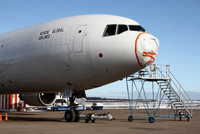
180, 102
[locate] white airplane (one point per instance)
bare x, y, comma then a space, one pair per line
72, 54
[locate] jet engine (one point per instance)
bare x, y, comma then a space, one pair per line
38, 99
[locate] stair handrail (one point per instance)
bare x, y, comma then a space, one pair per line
157, 74
182, 92
169, 74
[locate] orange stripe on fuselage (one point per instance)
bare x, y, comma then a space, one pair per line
136, 49
148, 56
149, 53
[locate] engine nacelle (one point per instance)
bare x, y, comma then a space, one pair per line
38, 99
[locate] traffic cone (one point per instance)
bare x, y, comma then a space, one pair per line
0, 117
6, 116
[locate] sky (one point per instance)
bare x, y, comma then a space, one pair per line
174, 22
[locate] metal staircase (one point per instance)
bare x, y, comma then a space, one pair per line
178, 105
180, 102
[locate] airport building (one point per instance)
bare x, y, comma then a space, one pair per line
11, 102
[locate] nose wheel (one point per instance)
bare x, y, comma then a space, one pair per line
72, 115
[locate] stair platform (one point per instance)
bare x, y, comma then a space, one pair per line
150, 78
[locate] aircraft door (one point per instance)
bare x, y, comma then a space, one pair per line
78, 39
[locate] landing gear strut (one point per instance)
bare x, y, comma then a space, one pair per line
72, 115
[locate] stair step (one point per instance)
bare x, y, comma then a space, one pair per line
172, 96
175, 100
179, 106
161, 81
163, 84
179, 103
165, 89
169, 92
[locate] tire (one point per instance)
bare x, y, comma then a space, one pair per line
180, 116
130, 118
86, 120
77, 118
70, 116
93, 121
188, 118
151, 120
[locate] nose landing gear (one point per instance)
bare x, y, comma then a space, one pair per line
72, 115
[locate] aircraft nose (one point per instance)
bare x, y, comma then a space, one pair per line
146, 49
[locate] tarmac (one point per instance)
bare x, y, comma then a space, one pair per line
52, 122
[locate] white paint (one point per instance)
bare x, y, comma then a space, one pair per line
36, 59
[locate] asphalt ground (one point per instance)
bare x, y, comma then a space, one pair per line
52, 122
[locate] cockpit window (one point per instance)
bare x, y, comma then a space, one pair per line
114, 29
122, 28
136, 28
110, 30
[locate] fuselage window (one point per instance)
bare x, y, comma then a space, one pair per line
110, 30
136, 28
122, 28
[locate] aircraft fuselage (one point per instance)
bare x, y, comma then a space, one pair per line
77, 53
